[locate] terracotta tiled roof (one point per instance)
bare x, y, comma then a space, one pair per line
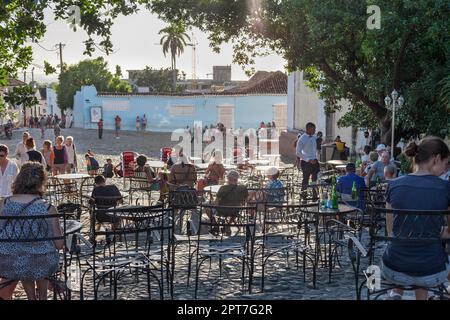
15, 82
265, 83
262, 83
258, 76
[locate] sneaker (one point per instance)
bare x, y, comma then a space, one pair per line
394, 295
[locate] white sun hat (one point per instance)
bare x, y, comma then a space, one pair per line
271, 171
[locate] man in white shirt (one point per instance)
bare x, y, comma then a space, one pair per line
306, 152
366, 141
8, 172
72, 164
21, 150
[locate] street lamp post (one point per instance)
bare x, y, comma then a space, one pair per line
396, 101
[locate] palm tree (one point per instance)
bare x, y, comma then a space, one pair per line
174, 40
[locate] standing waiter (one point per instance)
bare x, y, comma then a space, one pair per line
306, 152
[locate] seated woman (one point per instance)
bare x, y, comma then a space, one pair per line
183, 173
29, 262
274, 196
422, 264
270, 194
214, 173
142, 170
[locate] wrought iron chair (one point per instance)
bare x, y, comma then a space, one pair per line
142, 245
16, 231
285, 229
230, 235
409, 229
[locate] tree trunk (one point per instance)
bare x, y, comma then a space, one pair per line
174, 75
386, 132
24, 116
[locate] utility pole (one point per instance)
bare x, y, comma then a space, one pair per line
32, 82
60, 56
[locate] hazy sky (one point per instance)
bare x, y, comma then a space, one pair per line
134, 38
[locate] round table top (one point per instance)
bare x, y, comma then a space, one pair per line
271, 155
74, 176
263, 168
341, 166
337, 162
156, 164
343, 208
259, 162
213, 189
230, 166
72, 226
268, 140
129, 215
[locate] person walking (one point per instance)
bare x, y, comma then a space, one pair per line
138, 123
144, 123
8, 172
43, 125
60, 160
100, 128
57, 130
21, 150
306, 151
117, 121
32, 154
72, 164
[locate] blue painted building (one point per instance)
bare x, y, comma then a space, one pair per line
265, 100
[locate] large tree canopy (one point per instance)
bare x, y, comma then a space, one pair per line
22, 21
157, 80
330, 40
87, 72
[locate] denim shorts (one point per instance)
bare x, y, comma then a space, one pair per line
404, 279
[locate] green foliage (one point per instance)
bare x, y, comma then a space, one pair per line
2, 107
48, 68
22, 22
406, 165
87, 72
330, 40
118, 72
158, 80
24, 96
360, 117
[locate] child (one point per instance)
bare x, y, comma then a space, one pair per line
91, 164
108, 169
118, 171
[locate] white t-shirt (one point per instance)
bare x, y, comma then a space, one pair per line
70, 154
7, 178
21, 154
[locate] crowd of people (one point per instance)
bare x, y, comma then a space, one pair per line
23, 185
427, 188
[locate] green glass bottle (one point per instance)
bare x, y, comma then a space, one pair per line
354, 191
334, 200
